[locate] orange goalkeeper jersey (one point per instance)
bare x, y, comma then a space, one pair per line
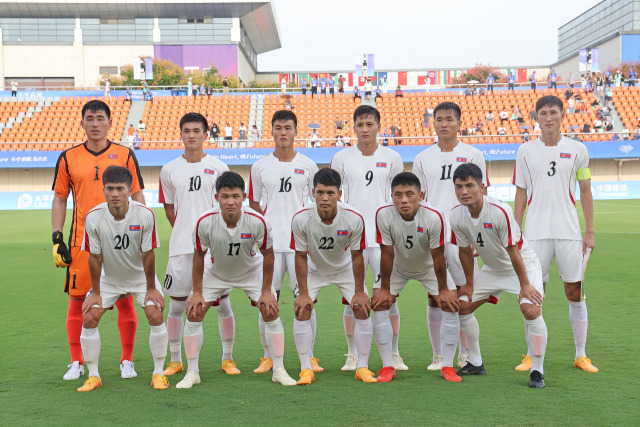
79, 171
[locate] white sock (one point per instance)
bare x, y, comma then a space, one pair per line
175, 324
526, 334
90, 342
303, 336
349, 327
193, 338
274, 333
313, 328
462, 349
363, 334
538, 339
263, 339
434, 320
158, 339
227, 327
579, 323
470, 332
394, 316
450, 333
384, 336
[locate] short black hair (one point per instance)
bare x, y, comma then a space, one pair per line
117, 174
194, 118
448, 106
366, 110
549, 101
96, 105
283, 115
230, 180
406, 178
466, 171
328, 177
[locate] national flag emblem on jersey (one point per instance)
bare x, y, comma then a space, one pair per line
112, 156
134, 228
342, 232
245, 235
210, 171
565, 155
420, 230
381, 165
300, 171
461, 159
488, 225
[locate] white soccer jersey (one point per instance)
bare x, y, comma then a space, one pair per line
412, 240
435, 169
284, 188
329, 246
549, 175
366, 181
490, 233
121, 243
191, 188
234, 251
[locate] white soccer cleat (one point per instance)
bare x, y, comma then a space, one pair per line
462, 360
351, 364
190, 379
398, 363
76, 370
281, 376
127, 370
436, 363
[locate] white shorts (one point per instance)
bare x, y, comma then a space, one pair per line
214, 287
178, 281
284, 262
428, 280
488, 285
372, 258
568, 256
452, 255
343, 280
110, 293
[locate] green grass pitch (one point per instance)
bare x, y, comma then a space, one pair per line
34, 353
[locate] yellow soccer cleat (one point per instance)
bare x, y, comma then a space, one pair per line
526, 363
173, 368
365, 375
91, 383
229, 367
315, 365
584, 364
306, 377
266, 364
159, 382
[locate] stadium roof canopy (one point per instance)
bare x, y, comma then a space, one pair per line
257, 17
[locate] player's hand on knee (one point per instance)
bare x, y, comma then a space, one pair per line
302, 307
449, 301
529, 292
382, 299
155, 297
467, 290
91, 300
268, 304
360, 304
61, 255
195, 300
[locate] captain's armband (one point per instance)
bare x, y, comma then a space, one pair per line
583, 174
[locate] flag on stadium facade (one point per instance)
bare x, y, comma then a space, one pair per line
290, 78
522, 75
422, 79
382, 78
582, 60
595, 66
432, 77
412, 78
402, 78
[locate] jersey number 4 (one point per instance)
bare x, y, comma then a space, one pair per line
479, 240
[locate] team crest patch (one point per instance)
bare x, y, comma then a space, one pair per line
420, 230
245, 235
342, 232
299, 171
112, 156
488, 225
381, 165
565, 155
134, 228
461, 159
210, 171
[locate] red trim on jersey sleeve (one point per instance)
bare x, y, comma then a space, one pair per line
154, 240
264, 224
160, 192
378, 234
363, 243
530, 179
86, 246
251, 187
292, 245
441, 224
510, 243
198, 244
513, 180
453, 238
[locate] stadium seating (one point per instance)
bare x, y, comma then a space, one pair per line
627, 103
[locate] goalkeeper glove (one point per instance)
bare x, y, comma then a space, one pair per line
61, 255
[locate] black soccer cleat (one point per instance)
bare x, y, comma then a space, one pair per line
470, 369
536, 380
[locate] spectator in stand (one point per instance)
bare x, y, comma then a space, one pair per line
378, 93
209, 90
597, 125
502, 130
583, 82
608, 78
515, 111
464, 132
195, 90
367, 89
553, 77
189, 87
472, 130
398, 136
583, 107
214, 132
533, 116
626, 134
479, 127
536, 128
242, 132
636, 135
288, 105
303, 86
608, 127
615, 137
228, 135
525, 136
504, 116
532, 80
339, 142
399, 92
340, 84
128, 96
225, 86
631, 78
131, 131
332, 84
568, 94
512, 81
283, 85
394, 131
600, 85
489, 116
618, 78
315, 140
203, 89
323, 87
571, 80
572, 106
384, 136
338, 123
608, 96
254, 136
490, 80
314, 86
14, 88
107, 88
142, 128
356, 93
586, 128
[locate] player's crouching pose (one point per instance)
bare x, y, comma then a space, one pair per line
509, 265
328, 237
120, 236
411, 234
231, 233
